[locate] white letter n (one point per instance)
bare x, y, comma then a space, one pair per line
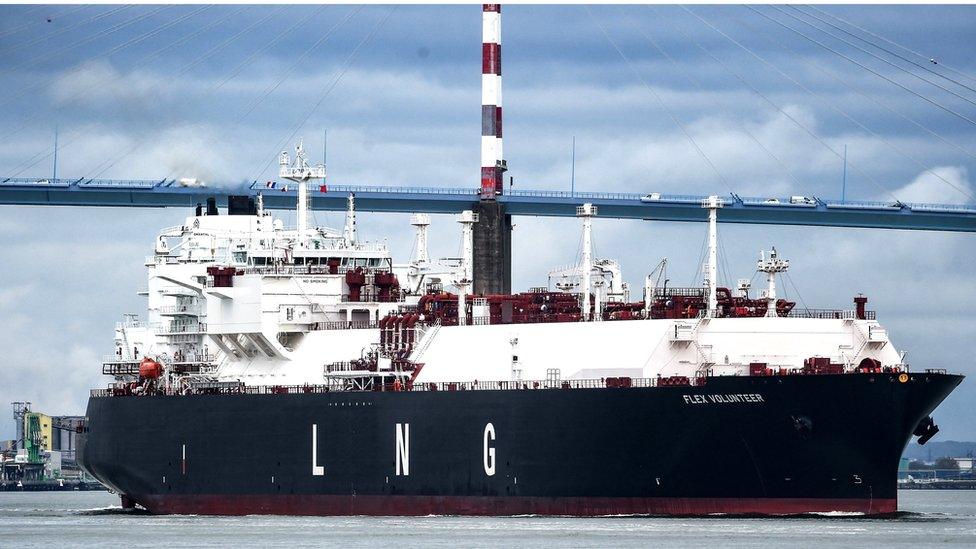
317, 470
403, 449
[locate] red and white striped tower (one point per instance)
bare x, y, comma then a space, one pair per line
492, 162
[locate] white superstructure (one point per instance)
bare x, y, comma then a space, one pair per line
240, 299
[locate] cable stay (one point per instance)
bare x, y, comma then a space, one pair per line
874, 55
58, 32
77, 134
114, 50
927, 58
869, 69
884, 49
101, 168
799, 124
137, 63
328, 90
74, 46
701, 88
268, 91
250, 58
295, 64
30, 24
863, 95
851, 119
659, 100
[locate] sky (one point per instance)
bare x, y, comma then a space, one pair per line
147, 92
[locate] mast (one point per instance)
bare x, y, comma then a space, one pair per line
586, 211
349, 232
712, 203
467, 219
300, 171
302, 214
771, 266
421, 222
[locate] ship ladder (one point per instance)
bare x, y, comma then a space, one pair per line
427, 337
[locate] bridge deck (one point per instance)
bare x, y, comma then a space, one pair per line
169, 193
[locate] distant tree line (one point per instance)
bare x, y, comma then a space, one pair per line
941, 464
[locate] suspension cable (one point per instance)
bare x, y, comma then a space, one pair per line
247, 61
851, 119
884, 49
930, 59
96, 36
840, 80
328, 90
118, 76
874, 55
114, 50
109, 163
869, 69
58, 32
777, 107
253, 104
701, 88
31, 11
660, 101
77, 134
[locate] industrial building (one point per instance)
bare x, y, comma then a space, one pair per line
43, 454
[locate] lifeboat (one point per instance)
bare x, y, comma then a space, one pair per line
150, 369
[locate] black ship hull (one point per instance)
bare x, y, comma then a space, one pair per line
738, 445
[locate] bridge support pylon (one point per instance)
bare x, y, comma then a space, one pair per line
492, 249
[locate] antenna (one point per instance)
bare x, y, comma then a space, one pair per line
572, 179
843, 189
55, 177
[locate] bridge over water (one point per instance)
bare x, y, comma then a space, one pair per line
443, 200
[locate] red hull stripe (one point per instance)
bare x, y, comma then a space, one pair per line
327, 505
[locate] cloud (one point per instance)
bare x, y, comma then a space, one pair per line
940, 185
100, 84
11, 295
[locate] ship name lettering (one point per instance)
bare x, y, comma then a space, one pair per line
730, 398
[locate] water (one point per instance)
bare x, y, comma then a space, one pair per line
94, 519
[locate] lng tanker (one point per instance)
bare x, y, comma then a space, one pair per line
302, 371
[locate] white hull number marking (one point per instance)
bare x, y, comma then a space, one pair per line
489, 451
403, 449
317, 470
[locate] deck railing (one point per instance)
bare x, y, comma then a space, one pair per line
237, 388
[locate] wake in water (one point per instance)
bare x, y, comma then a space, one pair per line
113, 511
